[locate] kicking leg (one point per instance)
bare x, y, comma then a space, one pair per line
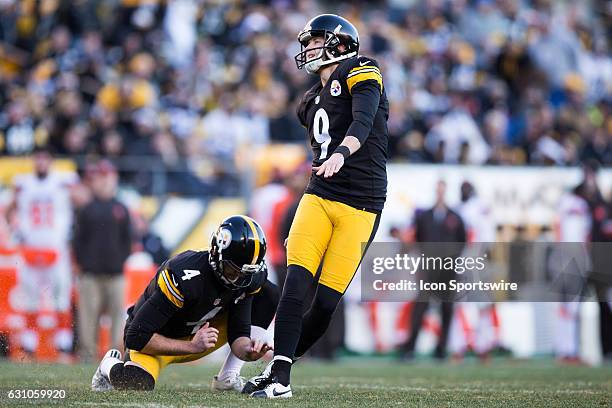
317, 318
288, 325
353, 233
308, 240
352, 228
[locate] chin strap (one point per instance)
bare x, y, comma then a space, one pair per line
338, 59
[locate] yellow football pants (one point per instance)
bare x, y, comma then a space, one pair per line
154, 364
333, 232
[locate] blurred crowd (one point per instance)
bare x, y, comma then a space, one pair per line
187, 85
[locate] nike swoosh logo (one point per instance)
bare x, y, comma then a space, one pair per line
276, 394
361, 64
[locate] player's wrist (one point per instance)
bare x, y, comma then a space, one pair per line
344, 151
194, 347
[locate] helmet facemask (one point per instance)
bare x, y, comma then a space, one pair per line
237, 277
230, 274
327, 54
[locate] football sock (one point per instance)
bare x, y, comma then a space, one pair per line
231, 366
107, 364
288, 322
281, 369
317, 318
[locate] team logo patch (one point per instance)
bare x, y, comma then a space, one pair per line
224, 237
317, 99
335, 89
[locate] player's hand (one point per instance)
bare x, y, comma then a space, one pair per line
257, 350
330, 166
205, 338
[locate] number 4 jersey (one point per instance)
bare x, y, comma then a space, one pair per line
352, 103
184, 295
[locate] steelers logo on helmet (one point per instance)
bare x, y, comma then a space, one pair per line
339, 37
224, 238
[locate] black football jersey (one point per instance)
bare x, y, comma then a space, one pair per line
188, 283
326, 111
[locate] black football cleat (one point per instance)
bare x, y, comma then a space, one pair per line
258, 382
273, 389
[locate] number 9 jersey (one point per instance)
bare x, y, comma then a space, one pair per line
352, 103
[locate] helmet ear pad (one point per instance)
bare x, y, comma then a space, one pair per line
332, 46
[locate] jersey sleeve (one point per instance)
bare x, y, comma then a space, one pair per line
363, 71
171, 280
168, 285
364, 82
148, 320
18, 182
179, 277
239, 320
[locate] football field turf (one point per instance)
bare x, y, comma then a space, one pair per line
349, 383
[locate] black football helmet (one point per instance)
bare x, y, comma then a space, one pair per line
237, 250
335, 31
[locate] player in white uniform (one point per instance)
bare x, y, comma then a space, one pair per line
43, 207
573, 226
481, 232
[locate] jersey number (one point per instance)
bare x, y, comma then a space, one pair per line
321, 131
189, 273
197, 325
41, 214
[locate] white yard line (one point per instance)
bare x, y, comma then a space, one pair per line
425, 389
121, 404
132, 404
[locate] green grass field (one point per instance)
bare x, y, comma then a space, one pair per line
349, 383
